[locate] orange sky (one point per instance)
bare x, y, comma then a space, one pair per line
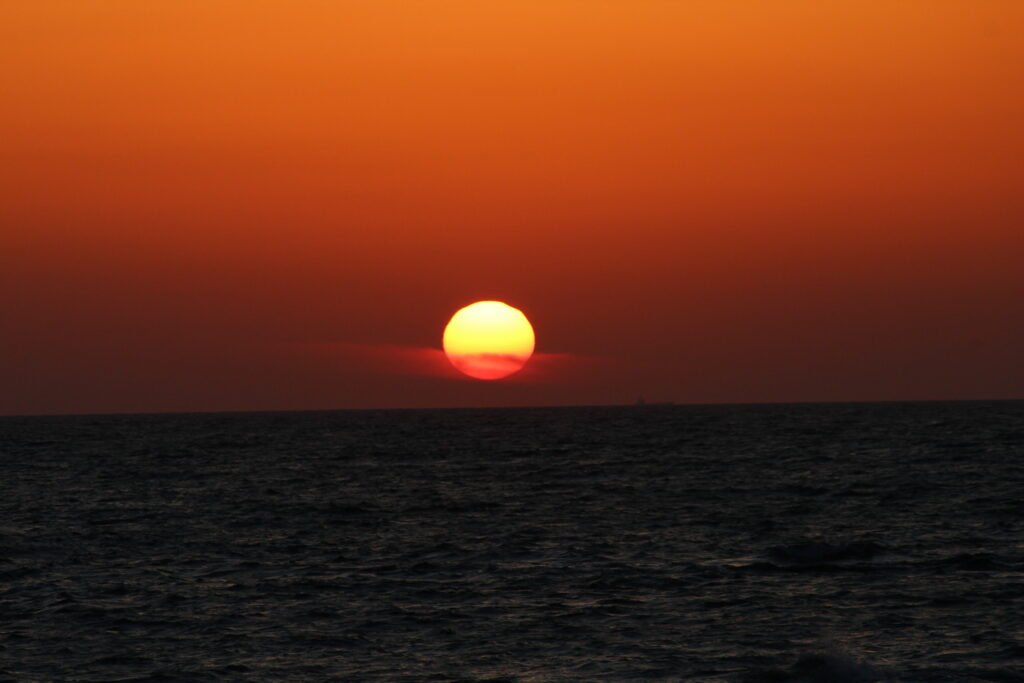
276, 205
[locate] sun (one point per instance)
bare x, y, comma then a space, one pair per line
488, 340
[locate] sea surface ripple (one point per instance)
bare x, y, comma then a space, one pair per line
839, 542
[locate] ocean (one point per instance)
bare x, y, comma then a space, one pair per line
761, 543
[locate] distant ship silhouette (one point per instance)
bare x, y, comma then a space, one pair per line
640, 402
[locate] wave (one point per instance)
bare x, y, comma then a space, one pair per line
815, 552
819, 668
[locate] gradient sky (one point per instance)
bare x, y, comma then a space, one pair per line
277, 205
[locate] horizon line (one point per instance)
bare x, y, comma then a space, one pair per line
638, 406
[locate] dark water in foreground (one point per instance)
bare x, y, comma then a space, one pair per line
760, 543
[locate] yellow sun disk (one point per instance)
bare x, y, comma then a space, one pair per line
488, 340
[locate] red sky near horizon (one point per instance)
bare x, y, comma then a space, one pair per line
270, 205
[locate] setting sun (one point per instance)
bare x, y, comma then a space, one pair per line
488, 340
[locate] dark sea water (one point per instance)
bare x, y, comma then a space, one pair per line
860, 542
